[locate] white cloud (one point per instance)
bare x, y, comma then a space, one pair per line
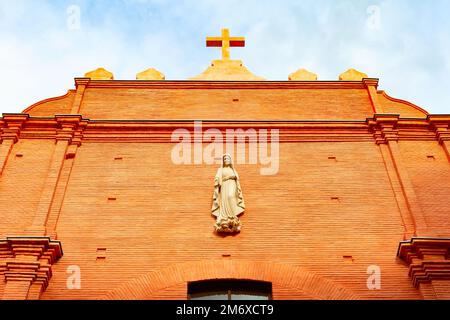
40, 56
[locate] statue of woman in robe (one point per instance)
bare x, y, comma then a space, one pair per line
228, 202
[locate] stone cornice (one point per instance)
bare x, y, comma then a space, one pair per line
203, 84
75, 128
443, 119
59, 127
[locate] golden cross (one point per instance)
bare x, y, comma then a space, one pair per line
225, 41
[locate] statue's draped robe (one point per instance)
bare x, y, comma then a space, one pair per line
228, 202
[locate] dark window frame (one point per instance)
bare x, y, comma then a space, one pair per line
229, 287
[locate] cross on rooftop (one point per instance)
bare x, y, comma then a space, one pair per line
225, 41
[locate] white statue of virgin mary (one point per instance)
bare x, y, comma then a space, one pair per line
228, 202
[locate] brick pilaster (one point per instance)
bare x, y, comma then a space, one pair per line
81, 84
372, 85
13, 123
385, 131
67, 133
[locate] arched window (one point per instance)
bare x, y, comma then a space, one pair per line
230, 290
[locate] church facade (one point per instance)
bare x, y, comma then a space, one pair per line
113, 190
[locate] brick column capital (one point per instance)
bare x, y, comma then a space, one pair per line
70, 128
384, 127
428, 259
29, 259
371, 82
82, 82
440, 124
13, 124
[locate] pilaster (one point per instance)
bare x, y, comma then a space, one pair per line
69, 133
385, 130
13, 124
372, 85
81, 85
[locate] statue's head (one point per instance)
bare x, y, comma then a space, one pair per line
227, 160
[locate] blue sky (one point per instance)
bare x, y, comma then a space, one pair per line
45, 44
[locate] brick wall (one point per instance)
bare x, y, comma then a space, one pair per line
22, 182
139, 226
150, 214
253, 104
429, 170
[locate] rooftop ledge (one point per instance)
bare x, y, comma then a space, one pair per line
257, 84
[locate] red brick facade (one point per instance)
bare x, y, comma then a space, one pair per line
87, 180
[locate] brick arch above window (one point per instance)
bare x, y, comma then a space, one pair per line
286, 280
